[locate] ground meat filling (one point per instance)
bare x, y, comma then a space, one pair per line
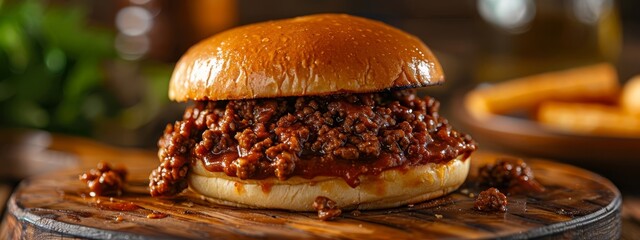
104, 180
327, 208
491, 200
512, 175
343, 135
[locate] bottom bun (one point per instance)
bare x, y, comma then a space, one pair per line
390, 188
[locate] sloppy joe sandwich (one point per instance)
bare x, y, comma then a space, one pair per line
323, 105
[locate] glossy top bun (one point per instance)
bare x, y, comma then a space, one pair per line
311, 55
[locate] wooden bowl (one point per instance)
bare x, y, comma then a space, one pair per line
614, 157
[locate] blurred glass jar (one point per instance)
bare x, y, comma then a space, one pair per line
164, 29
523, 37
151, 36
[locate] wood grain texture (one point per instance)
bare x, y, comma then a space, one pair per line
577, 204
631, 218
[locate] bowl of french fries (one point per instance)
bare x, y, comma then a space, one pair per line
581, 114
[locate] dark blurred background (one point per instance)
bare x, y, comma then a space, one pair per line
101, 68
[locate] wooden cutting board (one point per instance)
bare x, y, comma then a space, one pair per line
577, 204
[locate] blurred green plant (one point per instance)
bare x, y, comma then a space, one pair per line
52, 70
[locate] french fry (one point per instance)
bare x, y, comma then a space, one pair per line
598, 81
630, 98
589, 118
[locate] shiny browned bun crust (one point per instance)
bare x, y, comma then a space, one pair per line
311, 55
391, 188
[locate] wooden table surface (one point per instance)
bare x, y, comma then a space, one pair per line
87, 153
